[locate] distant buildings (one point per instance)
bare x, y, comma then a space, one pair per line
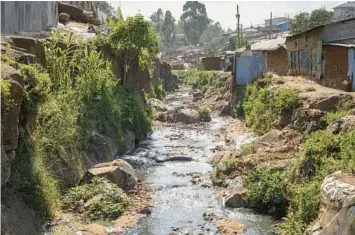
278, 23
344, 11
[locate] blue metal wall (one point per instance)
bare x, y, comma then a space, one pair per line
283, 26
351, 70
249, 68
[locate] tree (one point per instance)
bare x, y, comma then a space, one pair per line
212, 36
300, 22
157, 21
180, 27
168, 29
320, 16
195, 20
134, 39
105, 7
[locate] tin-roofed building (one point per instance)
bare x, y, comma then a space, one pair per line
344, 11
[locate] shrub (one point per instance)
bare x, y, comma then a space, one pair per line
222, 169
103, 200
264, 108
265, 190
205, 114
247, 149
159, 91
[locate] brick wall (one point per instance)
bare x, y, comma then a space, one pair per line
277, 61
336, 68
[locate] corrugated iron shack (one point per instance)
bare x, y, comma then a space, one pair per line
325, 53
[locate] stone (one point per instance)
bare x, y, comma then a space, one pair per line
74, 12
267, 139
326, 104
337, 209
228, 227
101, 147
344, 124
64, 17
308, 120
176, 158
237, 198
10, 113
118, 172
188, 116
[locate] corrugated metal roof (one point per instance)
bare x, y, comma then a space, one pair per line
348, 4
269, 45
339, 44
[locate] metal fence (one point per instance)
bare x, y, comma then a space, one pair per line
250, 67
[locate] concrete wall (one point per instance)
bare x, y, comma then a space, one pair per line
27, 17
336, 68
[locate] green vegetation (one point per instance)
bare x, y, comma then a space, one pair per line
343, 109
222, 169
247, 149
98, 200
205, 114
6, 99
304, 20
265, 190
198, 78
265, 108
159, 91
76, 92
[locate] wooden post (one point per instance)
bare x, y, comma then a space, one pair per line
270, 25
238, 30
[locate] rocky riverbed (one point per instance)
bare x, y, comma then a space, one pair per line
173, 160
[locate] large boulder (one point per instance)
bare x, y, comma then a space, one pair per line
326, 104
308, 120
237, 198
101, 147
158, 105
118, 172
344, 124
5, 168
188, 116
129, 140
337, 210
74, 12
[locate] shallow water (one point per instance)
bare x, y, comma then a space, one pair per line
179, 204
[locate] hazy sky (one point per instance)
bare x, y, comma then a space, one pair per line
254, 12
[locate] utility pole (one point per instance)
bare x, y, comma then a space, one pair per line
238, 30
270, 25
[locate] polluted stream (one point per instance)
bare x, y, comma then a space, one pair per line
181, 206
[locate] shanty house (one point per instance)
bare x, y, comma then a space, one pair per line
325, 53
211, 63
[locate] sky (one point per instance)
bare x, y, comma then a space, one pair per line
251, 12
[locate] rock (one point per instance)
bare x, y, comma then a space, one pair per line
159, 105
228, 227
224, 108
129, 140
146, 211
337, 205
237, 198
326, 104
118, 172
64, 17
10, 112
74, 12
344, 124
308, 120
188, 116
101, 29
267, 139
101, 147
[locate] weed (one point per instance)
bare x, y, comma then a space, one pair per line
159, 91
343, 109
247, 149
205, 114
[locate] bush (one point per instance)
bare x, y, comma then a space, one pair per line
104, 200
159, 91
264, 108
205, 114
247, 149
265, 190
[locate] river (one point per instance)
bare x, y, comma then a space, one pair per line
180, 205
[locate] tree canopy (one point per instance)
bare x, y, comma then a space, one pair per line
105, 7
304, 20
195, 20
168, 29
134, 36
157, 21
